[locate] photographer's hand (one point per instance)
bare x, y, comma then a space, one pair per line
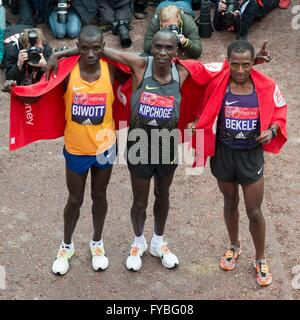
222, 6
183, 40
8, 85
22, 58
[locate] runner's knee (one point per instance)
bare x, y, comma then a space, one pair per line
75, 201
255, 215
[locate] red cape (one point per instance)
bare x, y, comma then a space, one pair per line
272, 109
45, 119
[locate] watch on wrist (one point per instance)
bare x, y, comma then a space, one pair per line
274, 132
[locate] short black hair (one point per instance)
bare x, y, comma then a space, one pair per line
167, 31
90, 31
240, 46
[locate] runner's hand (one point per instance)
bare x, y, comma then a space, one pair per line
8, 85
51, 66
191, 126
265, 137
263, 55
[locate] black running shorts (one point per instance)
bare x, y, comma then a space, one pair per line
147, 171
242, 166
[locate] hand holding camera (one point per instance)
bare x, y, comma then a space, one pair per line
41, 63
222, 6
22, 58
228, 10
121, 28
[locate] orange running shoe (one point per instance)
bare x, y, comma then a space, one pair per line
284, 4
229, 259
263, 274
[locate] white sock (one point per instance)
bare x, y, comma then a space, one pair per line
93, 243
157, 240
70, 245
140, 240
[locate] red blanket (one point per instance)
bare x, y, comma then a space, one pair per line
272, 109
45, 119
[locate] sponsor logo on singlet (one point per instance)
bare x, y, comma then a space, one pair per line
154, 106
88, 108
241, 119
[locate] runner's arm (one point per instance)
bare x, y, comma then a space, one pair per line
52, 61
132, 60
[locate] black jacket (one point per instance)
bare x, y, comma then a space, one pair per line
250, 11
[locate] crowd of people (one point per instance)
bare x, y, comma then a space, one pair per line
241, 112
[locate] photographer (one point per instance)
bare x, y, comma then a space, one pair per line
66, 17
238, 15
173, 18
26, 57
64, 20
116, 15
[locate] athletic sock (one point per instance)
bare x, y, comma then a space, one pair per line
69, 245
157, 241
140, 240
93, 243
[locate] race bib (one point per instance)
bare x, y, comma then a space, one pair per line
88, 108
241, 119
156, 107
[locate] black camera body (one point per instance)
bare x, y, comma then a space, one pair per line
62, 11
121, 28
33, 52
229, 12
174, 28
34, 55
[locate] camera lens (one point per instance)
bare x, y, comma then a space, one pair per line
34, 56
62, 11
123, 31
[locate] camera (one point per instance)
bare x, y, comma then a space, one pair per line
121, 28
229, 13
33, 52
62, 11
204, 21
174, 28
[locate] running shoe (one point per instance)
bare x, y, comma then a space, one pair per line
99, 258
263, 274
61, 264
134, 260
230, 257
168, 259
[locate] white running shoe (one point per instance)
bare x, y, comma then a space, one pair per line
168, 259
99, 258
134, 261
61, 264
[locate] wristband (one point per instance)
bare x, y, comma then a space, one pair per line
274, 132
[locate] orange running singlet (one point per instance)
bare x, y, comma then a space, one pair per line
90, 128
